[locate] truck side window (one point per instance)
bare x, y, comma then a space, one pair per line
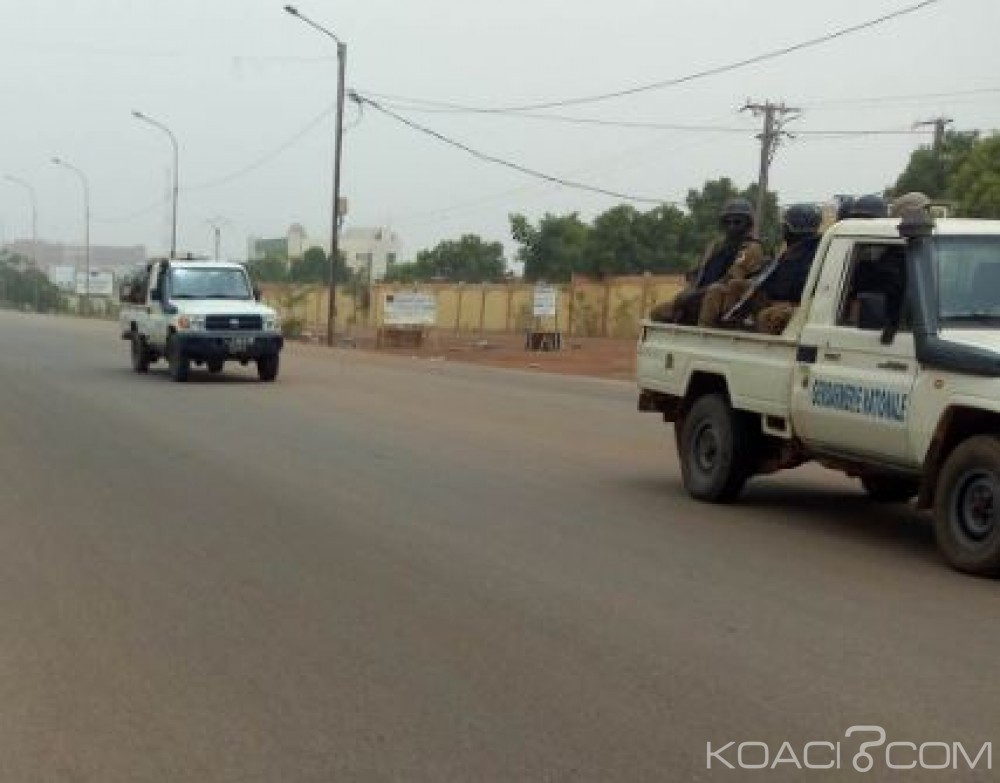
875, 268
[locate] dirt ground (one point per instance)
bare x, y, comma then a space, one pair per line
594, 356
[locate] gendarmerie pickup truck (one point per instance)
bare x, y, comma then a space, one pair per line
903, 395
198, 312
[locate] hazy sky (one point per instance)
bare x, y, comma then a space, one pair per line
238, 79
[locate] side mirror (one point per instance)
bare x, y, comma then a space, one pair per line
257, 292
156, 295
872, 311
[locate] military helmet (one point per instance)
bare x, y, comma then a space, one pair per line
737, 207
802, 219
908, 201
870, 206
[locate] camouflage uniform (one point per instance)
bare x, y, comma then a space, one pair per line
721, 296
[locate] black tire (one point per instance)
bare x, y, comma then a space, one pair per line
718, 449
890, 489
267, 367
180, 366
967, 506
215, 365
140, 354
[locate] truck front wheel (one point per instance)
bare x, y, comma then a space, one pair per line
140, 354
967, 506
178, 364
718, 449
267, 367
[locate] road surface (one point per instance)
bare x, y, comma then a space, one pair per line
392, 569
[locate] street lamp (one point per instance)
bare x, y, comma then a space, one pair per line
173, 141
34, 224
86, 222
338, 145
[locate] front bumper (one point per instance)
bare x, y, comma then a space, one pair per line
206, 347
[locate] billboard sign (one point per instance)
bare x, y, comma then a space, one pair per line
101, 283
544, 302
409, 309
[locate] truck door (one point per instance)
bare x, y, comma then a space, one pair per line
852, 395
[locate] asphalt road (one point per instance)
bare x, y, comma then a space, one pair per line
392, 569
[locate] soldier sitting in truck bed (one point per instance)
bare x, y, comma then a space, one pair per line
737, 256
769, 300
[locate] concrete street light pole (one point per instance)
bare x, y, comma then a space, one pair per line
338, 146
173, 141
86, 219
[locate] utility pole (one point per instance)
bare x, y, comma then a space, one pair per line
939, 124
776, 115
338, 143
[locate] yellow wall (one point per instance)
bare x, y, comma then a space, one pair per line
586, 308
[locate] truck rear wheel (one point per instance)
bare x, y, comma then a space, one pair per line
890, 489
140, 354
718, 449
967, 506
267, 367
178, 364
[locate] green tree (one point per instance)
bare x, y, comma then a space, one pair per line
268, 270
313, 267
616, 243
975, 186
553, 250
22, 284
932, 172
468, 259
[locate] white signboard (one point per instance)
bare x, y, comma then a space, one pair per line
545, 302
409, 309
101, 283
63, 277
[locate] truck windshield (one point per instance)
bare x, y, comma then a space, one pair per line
205, 283
969, 279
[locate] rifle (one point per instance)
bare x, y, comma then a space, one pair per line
741, 309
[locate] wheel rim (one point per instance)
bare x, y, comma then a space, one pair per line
975, 510
706, 448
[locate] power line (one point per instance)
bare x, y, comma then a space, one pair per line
664, 126
884, 99
715, 71
501, 161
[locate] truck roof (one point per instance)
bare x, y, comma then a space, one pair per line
889, 227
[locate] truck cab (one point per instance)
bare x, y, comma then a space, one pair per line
193, 312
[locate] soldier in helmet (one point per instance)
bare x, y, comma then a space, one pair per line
771, 298
737, 255
781, 291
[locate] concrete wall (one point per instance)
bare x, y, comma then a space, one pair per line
586, 308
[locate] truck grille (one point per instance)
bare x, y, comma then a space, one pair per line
233, 322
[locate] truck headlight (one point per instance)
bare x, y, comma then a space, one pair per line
194, 323
272, 324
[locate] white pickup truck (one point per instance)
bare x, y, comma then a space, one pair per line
910, 405
200, 312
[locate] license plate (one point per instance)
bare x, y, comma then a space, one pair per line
238, 344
